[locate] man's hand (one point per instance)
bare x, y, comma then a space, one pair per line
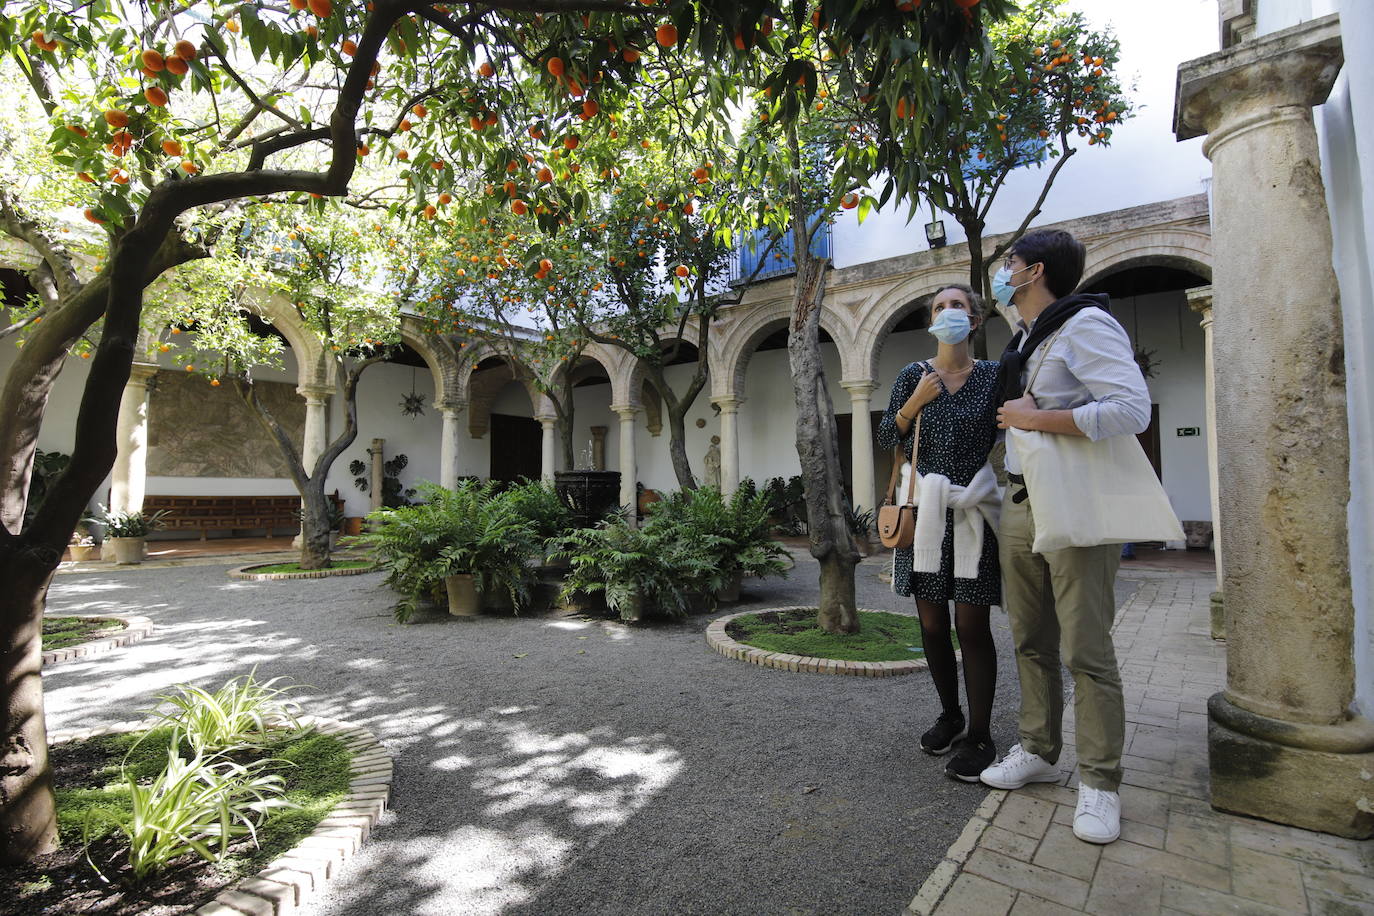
1018, 414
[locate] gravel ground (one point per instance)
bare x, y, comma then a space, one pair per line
558, 765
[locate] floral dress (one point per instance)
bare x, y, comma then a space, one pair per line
957, 433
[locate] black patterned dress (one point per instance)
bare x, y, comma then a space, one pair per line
957, 433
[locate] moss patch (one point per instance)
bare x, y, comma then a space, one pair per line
296, 567
882, 637
61, 632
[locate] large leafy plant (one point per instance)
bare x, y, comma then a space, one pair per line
735, 533
237, 716
541, 506
470, 530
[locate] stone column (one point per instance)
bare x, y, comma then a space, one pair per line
1284, 742
599, 447
316, 436
129, 476
549, 452
377, 453
729, 442
628, 471
448, 444
861, 442
1200, 301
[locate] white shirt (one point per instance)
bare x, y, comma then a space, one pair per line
1090, 369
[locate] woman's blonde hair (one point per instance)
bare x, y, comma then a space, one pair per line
977, 307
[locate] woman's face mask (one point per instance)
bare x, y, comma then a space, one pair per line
951, 326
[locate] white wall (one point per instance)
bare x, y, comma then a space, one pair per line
1143, 164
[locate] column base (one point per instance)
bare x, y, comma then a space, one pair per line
1218, 617
1317, 777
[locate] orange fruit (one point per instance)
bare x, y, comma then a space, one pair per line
116, 117
688, 209
536, 133
545, 175
519, 207
153, 60
156, 96
476, 123
740, 43
902, 109
545, 265
177, 66
171, 147
403, 154
321, 8
312, 31
349, 47
118, 175
298, 4
509, 188
232, 25
590, 109
437, 165
849, 201
430, 210
486, 69
419, 110
575, 88
214, 383
189, 167
405, 124
364, 149
682, 270
666, 35
556, 66
446, 198
630, 54
190, 368
90, 215
85, 176
78, 130
43, 42
645, 143
571, 141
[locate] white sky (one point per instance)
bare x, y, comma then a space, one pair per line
1144, 164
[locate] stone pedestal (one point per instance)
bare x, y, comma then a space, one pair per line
599, 447
729, 443
129, 477
377, 453
628, 471
861, 443
1284, 742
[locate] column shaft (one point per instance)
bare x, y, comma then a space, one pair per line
729, 443
628, 471
861, 443
549, 454
448, 446
129, 477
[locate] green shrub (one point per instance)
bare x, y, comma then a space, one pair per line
469, 529
734, 535
654, 564
538, 502
234, 717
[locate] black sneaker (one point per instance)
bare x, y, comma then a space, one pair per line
947, 729
973, 757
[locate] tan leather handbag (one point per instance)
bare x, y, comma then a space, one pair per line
897, 524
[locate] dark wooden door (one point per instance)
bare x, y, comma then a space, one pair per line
516, 447
1149, 441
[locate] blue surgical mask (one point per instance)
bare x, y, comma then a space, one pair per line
1002, 287
951, 326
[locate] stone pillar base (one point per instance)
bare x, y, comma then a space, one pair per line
1317, 777
1218, 617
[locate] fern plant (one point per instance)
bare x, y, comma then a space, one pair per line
653, 565
735, 533
470, 529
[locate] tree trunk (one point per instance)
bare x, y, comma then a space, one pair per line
818, 448
315, 553
564, 408
677, 445
28, 827
977, 278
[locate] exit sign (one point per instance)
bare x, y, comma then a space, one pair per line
1189, 431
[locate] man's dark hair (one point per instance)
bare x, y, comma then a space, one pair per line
1061, 253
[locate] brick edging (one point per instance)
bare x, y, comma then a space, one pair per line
292, 879
135, 629
246, 572
718, 640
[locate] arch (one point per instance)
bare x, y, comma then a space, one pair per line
478, 392
313, 370
734, 340
1184, 248
437, 352
877, 318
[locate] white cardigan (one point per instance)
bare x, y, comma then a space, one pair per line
979, 502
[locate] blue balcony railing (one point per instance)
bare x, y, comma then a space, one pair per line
780, 260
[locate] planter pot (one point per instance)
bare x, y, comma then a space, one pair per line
462, 595
632, 611
731, 591
84, 554
353, 525
127, 551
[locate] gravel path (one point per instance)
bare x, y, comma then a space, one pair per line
558, 765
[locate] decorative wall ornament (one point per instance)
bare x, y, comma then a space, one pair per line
195, 430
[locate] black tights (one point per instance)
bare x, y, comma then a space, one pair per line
980, 659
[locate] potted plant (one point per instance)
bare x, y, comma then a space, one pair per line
734, 535
469, 542
539, 504
83, 548
126, 532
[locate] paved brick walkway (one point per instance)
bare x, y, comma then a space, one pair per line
1019, 855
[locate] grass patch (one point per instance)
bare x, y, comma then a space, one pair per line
882, 637
315, 767
61, 632
296, 567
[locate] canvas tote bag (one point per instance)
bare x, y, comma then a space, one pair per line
1086, 493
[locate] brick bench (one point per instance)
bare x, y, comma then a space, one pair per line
229, 513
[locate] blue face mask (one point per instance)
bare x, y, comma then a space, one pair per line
1002, 287
951, 326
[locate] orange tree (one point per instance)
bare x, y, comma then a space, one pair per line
1046, 87
174, 111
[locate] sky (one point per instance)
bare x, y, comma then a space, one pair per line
1144, 163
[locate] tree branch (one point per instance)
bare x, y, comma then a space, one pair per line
19, 224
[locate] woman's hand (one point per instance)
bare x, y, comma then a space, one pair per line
927, 390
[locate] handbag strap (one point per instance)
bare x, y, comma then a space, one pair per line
1040, 365
897, 460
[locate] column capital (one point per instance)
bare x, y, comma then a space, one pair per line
1200, 301
315, 392
728, 403
859, 387
626, 411
548, 420
140, 373
448, 408
1252, 82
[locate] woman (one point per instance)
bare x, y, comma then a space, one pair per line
954, 397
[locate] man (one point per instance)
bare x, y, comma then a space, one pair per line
1089, 385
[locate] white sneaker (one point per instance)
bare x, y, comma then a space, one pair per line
1018, 768
1098, 816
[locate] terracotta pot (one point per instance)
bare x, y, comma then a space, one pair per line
127, 551
463, 600
353, 525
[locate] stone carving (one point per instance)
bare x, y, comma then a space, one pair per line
195, 430
712, 462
